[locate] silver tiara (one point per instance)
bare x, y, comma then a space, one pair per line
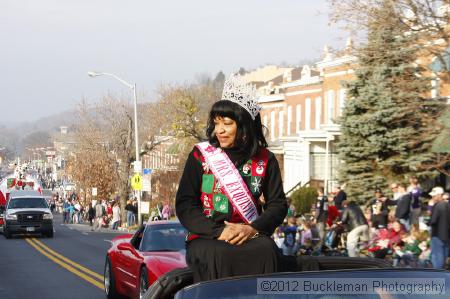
245, 95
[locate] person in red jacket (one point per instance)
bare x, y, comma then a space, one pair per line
333, 212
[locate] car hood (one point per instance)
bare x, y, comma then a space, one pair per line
42, 210
121, 238
167, 260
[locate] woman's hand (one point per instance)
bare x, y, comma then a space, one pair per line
236, 233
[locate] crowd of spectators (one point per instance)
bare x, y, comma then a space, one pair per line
98, 213
410, 228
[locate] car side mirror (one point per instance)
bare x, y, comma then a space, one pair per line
125, 246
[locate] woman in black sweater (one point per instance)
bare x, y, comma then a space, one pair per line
225, 237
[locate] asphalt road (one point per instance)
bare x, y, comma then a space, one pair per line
70, 265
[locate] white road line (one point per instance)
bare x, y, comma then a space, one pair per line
108, 241
84, 233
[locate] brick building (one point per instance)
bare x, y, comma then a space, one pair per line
300, 109
164, 161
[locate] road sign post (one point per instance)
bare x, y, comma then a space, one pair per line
147, 180
136, 182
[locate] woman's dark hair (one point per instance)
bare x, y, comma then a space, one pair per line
249, 134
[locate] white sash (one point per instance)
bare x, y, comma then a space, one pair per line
231, 181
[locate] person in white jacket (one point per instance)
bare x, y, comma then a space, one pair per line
116, 216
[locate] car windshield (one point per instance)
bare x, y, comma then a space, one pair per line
26, 203
365, 284
165, 237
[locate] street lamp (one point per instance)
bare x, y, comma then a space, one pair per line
137, 162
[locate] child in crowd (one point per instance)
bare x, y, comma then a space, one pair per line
406, 253
306, 232
424, 260
306, 248
278, 236
290, 233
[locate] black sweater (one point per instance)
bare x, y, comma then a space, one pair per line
189, 207
440, 220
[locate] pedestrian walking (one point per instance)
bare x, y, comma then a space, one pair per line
440, 228
135, 211
91, 214
99, 213
115, 216
66, 213
166, 211
129, 209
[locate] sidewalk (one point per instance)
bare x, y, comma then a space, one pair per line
85, 227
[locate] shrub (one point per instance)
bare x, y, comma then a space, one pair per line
303, 198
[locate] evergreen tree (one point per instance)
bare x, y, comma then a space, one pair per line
242, 71
387, 124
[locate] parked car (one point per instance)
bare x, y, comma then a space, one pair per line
27, 212
135, 261
178, 283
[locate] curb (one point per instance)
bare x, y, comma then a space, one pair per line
87, 227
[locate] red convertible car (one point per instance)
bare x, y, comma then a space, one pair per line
135, 261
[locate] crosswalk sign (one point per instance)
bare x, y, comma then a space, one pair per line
136, 182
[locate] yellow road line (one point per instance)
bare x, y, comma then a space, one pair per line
66, 266
84, 269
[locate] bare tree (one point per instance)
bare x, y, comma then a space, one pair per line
427, 18
105, 132
187, 108
92, 164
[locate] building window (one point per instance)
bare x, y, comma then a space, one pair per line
266, 121
318, 110
289, 120
342, 98
280, 123
318, 166
272, 125
298, 118
308, 114
330, 105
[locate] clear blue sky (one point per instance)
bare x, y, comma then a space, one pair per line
47, 46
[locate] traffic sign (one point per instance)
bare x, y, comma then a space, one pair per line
148, 171
146, 183
136, 182
145, 207
137, 165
